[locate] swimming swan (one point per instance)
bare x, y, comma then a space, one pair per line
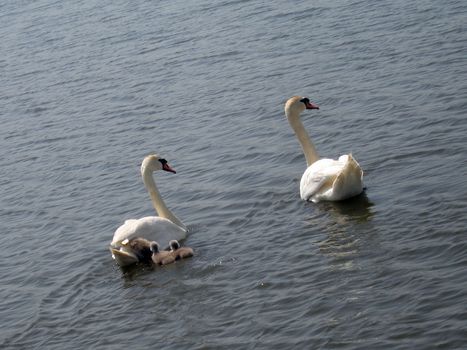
324, 179
162, 228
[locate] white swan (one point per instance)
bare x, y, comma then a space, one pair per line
324, 179
162, 228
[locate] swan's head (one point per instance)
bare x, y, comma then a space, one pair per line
154, 246
153, 163
174, 245
297, 104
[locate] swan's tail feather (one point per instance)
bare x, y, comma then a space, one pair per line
349, 181
354, 167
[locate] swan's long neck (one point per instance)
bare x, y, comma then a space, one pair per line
157, 200
311, 155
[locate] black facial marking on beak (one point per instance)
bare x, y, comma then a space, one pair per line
308, 104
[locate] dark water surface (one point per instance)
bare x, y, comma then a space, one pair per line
88, 88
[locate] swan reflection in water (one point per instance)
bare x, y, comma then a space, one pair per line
345, 229
357, 209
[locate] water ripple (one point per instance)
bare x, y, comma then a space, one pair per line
90, 88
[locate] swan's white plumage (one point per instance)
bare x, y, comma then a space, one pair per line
152, 228
324, 179
331, 180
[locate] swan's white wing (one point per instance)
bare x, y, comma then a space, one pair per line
334, 180
123, 257
319, 177
349, 182
153, 228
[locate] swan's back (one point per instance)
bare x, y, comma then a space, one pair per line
152, 228
334, 180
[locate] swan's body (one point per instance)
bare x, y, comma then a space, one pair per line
324, 179
162, 228
180, 252
161, 257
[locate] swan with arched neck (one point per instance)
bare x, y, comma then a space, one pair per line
162, 228
324, 179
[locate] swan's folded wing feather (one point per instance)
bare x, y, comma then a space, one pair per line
348, 183
153, 228
319, 177
122, 257
311, 184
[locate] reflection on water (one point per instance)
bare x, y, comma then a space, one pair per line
147, 275
343, 242
130, 272
356, 209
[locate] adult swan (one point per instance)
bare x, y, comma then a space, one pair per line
324, 179
162, 228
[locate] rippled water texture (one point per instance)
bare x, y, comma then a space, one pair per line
88, 88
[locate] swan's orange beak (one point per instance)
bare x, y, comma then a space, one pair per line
167, 167
311, 105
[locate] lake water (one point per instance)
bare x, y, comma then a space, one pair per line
88, 88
